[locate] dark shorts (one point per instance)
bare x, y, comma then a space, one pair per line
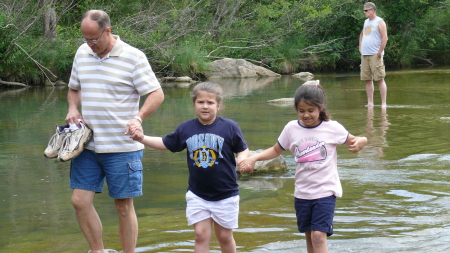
315, 214
122, 171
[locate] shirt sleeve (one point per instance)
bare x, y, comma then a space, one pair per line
144, 78
283, 140
173, 141
341, 133
238, 139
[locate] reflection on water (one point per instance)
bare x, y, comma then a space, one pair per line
244, 86
396, 190
376, 135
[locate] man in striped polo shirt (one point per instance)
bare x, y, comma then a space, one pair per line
107, 80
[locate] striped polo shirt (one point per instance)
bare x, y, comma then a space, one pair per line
110, 91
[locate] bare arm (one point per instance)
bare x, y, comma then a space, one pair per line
360, 41
242, 155
151, 104
356, 143
153, 142
384, 37
74, 102
248, 165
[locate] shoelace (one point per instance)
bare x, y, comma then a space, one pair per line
66, 141
54, 140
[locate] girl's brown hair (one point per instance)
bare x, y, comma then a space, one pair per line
207, 87
313, 94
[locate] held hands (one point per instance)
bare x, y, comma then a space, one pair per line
247, 165
134, 129
357, 144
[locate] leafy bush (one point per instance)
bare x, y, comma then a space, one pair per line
189, 60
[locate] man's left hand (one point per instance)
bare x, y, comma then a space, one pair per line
134, 129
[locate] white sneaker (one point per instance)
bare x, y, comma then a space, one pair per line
55, 143
74, 142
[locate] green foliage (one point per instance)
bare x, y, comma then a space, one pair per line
189, 60
181, 37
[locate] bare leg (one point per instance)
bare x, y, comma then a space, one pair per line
383, 92
369, 92
128, 225
225, 238
203, 232
319, 241
309, 246
88, 218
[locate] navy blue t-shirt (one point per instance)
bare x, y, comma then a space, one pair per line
210, 156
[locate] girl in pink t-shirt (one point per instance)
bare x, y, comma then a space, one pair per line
312, 139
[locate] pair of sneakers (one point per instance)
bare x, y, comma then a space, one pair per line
68, 142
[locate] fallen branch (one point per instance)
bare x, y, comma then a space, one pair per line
13, 83
423, 59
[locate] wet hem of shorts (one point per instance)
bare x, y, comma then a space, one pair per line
315, 228
100, 190
126, 195
192, 223
86, 188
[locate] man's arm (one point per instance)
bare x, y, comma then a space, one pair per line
384, 37
360, 41
74, 102
151, 104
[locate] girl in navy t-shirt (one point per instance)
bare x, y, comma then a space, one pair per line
211, 143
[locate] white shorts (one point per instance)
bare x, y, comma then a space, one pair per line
225, 212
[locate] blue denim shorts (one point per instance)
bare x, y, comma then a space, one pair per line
315, 214
122, 171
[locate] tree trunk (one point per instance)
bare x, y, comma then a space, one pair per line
49, 16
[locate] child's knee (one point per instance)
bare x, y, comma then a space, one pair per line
224, 235
202, 234
318, 237
225, 238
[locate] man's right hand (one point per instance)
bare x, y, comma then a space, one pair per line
74, 117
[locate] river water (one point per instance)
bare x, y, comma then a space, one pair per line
396, 190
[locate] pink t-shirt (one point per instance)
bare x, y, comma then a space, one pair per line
314, 151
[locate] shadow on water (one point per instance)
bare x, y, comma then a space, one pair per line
396, 190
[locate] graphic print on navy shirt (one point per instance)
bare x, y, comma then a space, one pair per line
205, 149
310, 152
210, 155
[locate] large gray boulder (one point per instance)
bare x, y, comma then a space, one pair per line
237, 68
290, 101
281, 101
304, 75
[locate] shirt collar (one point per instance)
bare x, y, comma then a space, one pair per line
115, 51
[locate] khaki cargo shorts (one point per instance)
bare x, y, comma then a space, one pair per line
372, 68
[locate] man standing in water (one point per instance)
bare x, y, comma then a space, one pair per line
107, 80
372, 42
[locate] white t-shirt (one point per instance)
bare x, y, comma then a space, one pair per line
314, 151
371, 39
